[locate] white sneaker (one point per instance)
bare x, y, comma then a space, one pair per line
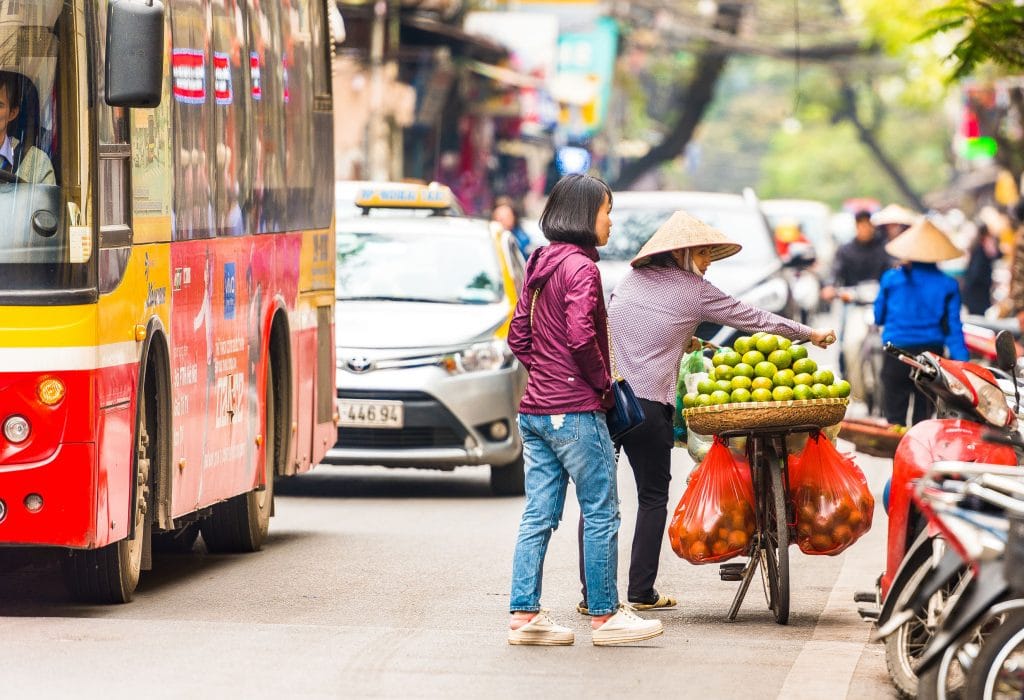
542, 631
626, 626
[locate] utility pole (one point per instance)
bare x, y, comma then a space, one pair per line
377, 136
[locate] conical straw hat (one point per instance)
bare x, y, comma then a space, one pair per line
685, 231
923, 242
894, 214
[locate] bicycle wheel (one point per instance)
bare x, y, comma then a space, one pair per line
775, 549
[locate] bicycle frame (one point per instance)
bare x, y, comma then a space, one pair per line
766, 449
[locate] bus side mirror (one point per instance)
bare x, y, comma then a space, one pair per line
135, 53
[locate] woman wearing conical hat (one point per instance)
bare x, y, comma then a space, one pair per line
653, 314
918, 307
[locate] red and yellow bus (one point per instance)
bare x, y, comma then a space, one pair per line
166, 275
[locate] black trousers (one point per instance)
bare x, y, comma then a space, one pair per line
649, 449
897, 388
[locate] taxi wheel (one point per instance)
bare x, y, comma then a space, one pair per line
508, 479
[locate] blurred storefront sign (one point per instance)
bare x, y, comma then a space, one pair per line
586, 62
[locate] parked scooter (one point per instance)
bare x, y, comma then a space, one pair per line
967, 502
968, 402
998, 670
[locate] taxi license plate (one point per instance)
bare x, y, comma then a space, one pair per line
371, 414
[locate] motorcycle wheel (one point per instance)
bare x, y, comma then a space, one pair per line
946, 679
996, 672
904, 646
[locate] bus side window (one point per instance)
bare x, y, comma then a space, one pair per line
231, 138
114, 151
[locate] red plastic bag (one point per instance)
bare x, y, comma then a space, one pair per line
714, 520
831, 499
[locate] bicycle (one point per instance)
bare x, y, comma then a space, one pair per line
768, 551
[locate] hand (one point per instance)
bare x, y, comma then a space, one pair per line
823, 337
828, 293
695, 344
846, 296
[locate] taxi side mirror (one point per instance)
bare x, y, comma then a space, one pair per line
135, 53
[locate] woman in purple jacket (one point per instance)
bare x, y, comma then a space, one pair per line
559, 333
653, 314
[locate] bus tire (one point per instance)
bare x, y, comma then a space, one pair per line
240, 524
110, 574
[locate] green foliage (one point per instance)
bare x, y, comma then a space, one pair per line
827, 162
991, 30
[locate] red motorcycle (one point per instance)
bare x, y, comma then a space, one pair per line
969, 402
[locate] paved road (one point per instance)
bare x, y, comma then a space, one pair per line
383, 583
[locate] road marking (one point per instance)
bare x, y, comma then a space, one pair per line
826, 663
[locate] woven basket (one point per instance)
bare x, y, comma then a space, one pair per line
709, 420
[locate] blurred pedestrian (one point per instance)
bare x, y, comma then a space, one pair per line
1015, 298
559, 332
861, 260
506, 213
977, 279
918, 307
654, 312
893, 220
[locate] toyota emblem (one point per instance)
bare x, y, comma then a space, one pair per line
359, 364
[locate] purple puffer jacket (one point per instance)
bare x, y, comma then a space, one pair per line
566, 348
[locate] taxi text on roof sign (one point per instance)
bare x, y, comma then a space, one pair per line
405, 197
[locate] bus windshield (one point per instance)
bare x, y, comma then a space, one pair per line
41, 247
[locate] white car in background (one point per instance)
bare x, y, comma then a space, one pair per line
754, 275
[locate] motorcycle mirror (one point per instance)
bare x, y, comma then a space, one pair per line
1006, 352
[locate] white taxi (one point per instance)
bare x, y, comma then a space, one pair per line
425, 377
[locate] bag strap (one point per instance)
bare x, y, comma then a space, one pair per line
611, 351
533, 303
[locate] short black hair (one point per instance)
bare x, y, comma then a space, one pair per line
862, 215
571, 211
13, 84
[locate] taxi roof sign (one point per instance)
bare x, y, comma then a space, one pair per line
405, 196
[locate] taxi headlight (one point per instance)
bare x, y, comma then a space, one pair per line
991, 401
479, 357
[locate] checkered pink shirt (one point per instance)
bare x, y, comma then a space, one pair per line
653, 314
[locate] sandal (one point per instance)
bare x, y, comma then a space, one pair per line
660, 601
581, 608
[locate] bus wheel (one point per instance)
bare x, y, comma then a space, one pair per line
110, 574
240, 524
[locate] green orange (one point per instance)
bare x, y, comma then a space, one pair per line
720, 397
805, 364
752, 357
761, 395
740, 396
742, 370
782, 393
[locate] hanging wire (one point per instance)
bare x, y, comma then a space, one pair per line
796, 58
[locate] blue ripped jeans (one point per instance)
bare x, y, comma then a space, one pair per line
558, 448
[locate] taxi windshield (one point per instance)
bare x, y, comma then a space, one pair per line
36, 252
436, 267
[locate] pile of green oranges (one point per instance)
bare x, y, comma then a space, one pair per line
765, 367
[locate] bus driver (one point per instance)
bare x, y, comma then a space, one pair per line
23, 161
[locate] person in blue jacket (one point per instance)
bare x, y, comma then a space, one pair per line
918, 307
